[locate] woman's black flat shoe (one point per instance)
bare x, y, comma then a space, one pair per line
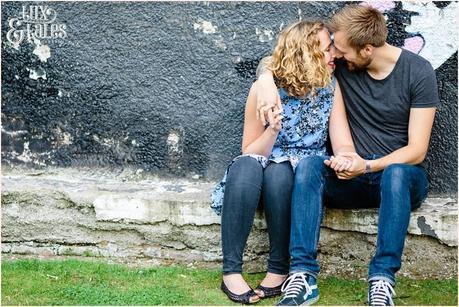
243, 298
270, 292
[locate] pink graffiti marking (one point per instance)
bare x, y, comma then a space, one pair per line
414, 44
382, 6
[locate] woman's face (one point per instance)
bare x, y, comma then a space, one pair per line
326, 46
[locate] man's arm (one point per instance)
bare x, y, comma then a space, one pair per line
262, 68
340, 135
419, 130
256, 139
267, 93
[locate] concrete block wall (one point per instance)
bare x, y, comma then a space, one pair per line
160, 87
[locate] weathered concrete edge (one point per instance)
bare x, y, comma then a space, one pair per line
152, 200
436, 218
429, 220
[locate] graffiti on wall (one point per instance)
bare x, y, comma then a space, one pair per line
426, 28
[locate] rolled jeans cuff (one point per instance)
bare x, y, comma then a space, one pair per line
384, 277
304, 271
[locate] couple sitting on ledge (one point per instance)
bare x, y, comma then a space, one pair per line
376, 103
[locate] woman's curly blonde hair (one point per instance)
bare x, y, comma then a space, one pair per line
297, 61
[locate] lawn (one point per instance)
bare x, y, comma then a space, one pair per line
74, 282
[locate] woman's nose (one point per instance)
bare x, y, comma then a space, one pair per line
333, 51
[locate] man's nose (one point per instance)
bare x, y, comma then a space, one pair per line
337, 54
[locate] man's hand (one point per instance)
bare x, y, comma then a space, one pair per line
355, 165
267, 98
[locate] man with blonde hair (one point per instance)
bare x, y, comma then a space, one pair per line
390, 96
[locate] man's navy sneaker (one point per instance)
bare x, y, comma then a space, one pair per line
380, 293
300, 289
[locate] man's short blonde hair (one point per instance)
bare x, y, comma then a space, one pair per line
362, 24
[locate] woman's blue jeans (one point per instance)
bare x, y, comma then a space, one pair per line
246, 182
396, 190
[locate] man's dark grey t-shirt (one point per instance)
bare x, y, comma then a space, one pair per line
379, 110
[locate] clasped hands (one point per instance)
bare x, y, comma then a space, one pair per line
346, 165
271, 113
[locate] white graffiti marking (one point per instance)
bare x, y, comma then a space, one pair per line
438, 27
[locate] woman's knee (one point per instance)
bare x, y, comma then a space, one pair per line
245, 169
278, 175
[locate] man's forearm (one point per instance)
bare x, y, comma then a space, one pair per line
407, 155
262, 68
344, 149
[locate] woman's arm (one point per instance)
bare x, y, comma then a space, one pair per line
256, 139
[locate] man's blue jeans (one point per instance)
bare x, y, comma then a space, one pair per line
396, 190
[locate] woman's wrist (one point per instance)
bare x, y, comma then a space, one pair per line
273, 131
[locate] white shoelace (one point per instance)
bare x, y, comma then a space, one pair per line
292, 286
379, 292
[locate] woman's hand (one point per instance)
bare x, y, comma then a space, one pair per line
357, 167
275, 118
339, 163
347, 165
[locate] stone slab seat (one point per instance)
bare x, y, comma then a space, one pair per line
66, 211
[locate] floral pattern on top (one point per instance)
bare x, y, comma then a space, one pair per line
304, 133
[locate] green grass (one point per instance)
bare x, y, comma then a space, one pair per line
73, 282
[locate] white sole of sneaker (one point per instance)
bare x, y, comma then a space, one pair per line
311, 301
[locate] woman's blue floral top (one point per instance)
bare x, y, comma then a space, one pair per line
304, 133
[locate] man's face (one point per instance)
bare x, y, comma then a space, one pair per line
354, 59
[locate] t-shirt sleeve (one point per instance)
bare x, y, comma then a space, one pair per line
424, 91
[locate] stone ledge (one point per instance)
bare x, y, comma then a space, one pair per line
437, 218
186, 202
73, 213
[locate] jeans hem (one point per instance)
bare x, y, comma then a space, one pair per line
382, 276
304, 271
279, 272
232, 272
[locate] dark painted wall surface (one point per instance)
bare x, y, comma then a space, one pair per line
162, 86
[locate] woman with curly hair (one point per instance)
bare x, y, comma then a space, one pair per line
302, 64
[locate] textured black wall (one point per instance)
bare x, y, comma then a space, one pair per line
162, 86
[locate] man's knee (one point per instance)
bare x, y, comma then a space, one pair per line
312, 167
396, 178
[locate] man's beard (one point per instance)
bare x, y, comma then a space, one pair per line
352, 66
